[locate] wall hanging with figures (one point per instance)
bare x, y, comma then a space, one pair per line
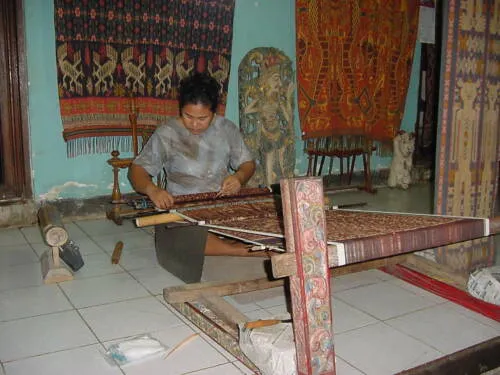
266, 103
114, 58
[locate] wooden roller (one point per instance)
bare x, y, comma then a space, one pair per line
157, 219
52, 226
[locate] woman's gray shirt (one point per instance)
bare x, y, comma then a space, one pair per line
194, 163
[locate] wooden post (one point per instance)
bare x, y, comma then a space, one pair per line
305, 233
116, 195
133, 123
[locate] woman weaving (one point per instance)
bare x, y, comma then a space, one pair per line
196, 150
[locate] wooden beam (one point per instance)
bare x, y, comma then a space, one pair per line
191, 292
284, 265
225, 311
476, 359
368, 265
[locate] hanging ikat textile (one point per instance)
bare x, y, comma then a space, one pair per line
468, 147
354, 61
114, 57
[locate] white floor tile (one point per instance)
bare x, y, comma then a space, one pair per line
80, 361
43, 334
133, 240
133, 260
281, 311
229, 357
101, 227
443, 328
415, 289
20, 276
103, 289
243, 302
33, 234
11, 237
75, 232
39, 248
32, 301
97, 264
155, 279
346, 318
354, 280
129, 318
343, 368
379, 349
226, 369
269, 297
195, 355
85, 245
16, 254
258, 314
474, 315
384, 300
244, 369
381, 275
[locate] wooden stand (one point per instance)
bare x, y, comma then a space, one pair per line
53, 270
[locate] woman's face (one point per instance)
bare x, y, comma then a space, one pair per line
196, 117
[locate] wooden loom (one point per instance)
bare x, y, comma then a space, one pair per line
203, 304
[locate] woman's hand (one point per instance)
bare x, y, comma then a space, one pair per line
230, 186
161, 198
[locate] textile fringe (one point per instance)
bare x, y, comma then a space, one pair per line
99, 145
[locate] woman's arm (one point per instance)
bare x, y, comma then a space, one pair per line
142, 183
245, 172
233, 183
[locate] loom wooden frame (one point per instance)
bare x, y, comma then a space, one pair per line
204, 306
203, 303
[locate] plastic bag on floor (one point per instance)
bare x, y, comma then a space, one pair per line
485, 284
271, 349
136, 349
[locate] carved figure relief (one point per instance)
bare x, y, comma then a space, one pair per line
266, 103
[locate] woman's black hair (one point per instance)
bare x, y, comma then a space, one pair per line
199, 88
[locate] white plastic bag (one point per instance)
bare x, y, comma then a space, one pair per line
136, 349
485, 284
271, 348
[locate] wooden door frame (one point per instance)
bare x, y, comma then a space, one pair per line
13, 104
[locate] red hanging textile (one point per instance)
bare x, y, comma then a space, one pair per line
354, 61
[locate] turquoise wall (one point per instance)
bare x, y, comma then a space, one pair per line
261, 23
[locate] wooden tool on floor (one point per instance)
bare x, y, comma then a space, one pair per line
53, 270
265, 323
117, 253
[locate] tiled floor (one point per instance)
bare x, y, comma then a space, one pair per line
382, 325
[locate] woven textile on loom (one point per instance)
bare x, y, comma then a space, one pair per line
365, 235
115, 57
354, 60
